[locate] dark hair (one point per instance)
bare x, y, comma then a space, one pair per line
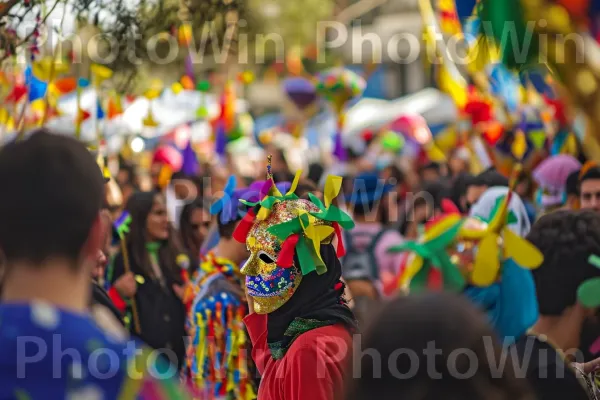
525, 177
592, 173
283, 176
432, 166
566, 239
572, 184
315, 172
396, 173
130, 170
305, 186
139, 206
52, 194
226, 230
186, 229
410, 324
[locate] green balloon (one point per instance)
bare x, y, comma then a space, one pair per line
203, 86
391, 141
202, 112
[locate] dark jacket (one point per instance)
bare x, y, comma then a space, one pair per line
161, 313
99, 296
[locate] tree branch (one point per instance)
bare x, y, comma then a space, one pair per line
7, 7
29, 36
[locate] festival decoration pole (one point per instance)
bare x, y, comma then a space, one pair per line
122, 227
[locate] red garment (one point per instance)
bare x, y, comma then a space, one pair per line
312, 369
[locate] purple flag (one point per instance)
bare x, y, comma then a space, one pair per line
220, 138
190, 163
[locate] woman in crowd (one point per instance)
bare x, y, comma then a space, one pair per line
149, 279
459, 365
194, 226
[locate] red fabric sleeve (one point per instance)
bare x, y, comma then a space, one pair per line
316, 364
307, 376
117, 299
256, 325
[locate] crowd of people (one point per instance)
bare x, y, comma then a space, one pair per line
383, 281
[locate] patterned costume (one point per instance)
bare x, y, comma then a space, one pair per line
216, 356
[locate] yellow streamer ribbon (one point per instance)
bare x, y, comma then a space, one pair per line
316, 233
333, 185
294, 183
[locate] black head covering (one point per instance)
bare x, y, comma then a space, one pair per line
316, 303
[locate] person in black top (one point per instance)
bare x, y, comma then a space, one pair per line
567, 240
154, 280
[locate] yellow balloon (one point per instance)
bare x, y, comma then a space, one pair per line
151, 94
176, 87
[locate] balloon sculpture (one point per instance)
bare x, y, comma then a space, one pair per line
339, 86
303, 94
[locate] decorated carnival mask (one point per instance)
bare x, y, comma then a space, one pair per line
269, 284
284, 234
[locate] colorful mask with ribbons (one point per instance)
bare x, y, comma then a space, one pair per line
284, 234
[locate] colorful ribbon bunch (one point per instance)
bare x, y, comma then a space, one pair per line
307, 231
432, 267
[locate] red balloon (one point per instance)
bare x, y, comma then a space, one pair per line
168, 155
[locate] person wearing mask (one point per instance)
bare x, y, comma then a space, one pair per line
50, 240
151, 284
570, 243
299, 323
454, 326
589, 189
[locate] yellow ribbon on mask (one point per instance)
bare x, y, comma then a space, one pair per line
264, 212
333, 186
316, 233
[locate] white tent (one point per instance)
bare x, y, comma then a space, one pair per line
436, 107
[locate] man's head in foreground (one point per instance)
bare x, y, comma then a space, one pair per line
569, 241
589, 190
51, 227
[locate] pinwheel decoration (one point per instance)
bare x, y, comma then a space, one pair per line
497, 242
430, 266
121, 225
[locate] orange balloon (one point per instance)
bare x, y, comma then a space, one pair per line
66, 85
187, 83
493, 130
